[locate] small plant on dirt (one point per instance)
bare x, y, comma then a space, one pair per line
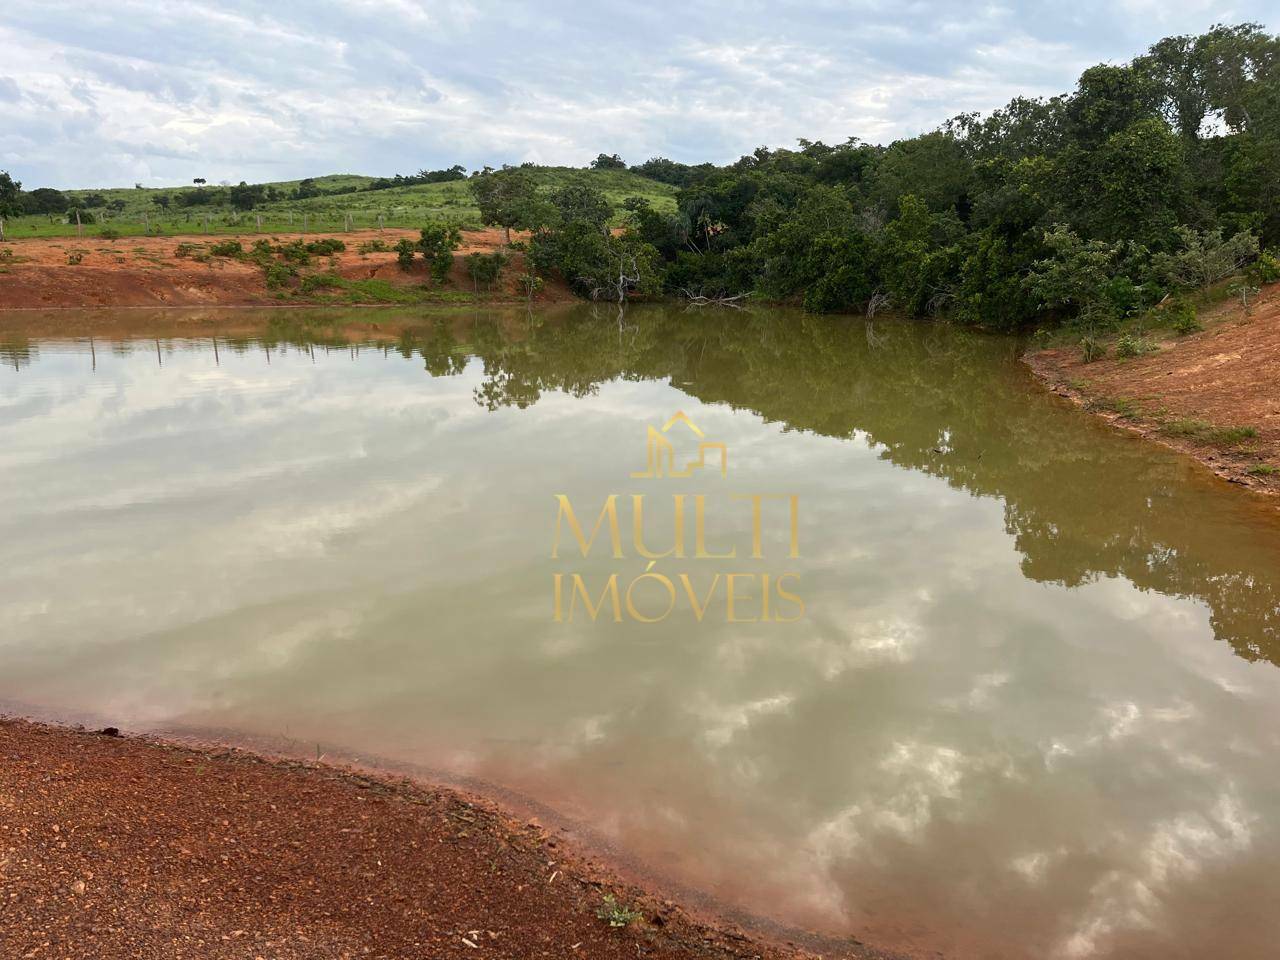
1092, 348
485, 268
1206, 432
6, 255
1182, 317
1244, 291
261, 253
530, 283
325, 247
319, 281
616, 914
405, 250
227, 248
279, 275
184, 250
295, 251
75, 258
1121, 406
373, 246
1131, 345
1263, 470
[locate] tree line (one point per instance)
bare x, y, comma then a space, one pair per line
1148, 178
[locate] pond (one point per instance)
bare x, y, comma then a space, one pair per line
996, 680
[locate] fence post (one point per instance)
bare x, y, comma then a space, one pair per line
1, 229
79, 232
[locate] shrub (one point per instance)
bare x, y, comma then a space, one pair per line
404, 254
1133, 345
1182, 317
261, 253
486, 268
320, 281
373, 246
1266, 269
184, 250
279, 274
530, 283
437, 244
1091, 349
295, 251
325, 247
227, 248
109, 233
75, 258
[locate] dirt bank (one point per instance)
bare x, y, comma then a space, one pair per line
116, 847
153, 272
1214, 395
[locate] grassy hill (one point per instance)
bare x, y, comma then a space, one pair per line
346, 198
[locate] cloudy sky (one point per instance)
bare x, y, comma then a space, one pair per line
160, 91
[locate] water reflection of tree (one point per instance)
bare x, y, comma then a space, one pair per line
1080, 503
17, 353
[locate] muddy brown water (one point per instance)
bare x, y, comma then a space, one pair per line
1014, 692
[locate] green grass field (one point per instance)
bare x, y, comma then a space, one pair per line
408, 207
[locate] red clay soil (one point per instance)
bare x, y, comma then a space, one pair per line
146, 272
1226, 376
117, 847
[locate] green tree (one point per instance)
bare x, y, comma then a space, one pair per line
438, 243
508, 198
10, 195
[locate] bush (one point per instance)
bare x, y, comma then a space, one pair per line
109, 233
279, 275
1091, 349
486, 268
1182, 317
373, 246
437, 244
262, 253
404, 254
227, 248
325, 247
1133, 345
184, 250
295, 251
75, 258
1266, 269
320, 281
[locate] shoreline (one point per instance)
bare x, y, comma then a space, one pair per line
1213, 396
181, 271
94, 769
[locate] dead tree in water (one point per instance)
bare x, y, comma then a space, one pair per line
717, 300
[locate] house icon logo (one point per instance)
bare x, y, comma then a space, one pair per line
660, 452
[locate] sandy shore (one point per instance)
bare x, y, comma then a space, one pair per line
115, 847
1193, 390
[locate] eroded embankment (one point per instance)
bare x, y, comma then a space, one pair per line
180, 271
1214, 395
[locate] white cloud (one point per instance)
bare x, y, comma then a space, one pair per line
160, 92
